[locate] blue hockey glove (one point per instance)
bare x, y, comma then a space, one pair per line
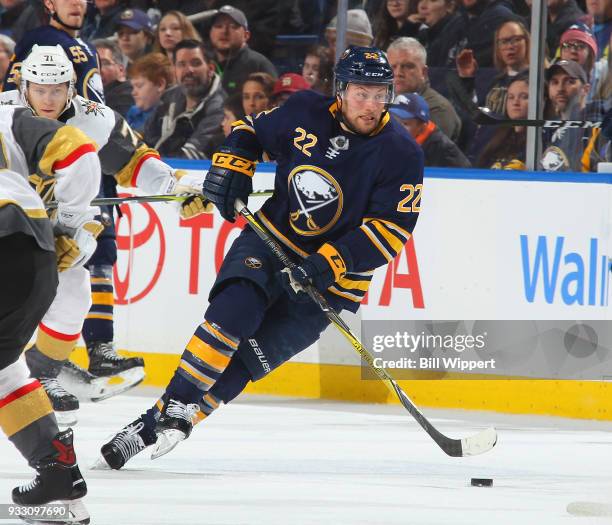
230, 177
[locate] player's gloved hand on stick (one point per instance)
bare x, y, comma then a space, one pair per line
184, 183
320, 269
75, 240
230, 177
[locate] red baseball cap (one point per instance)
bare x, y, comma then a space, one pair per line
289, 83
581, 33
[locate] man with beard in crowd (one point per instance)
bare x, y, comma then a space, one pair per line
187, 123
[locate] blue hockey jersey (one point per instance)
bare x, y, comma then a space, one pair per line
358, 192
83, 56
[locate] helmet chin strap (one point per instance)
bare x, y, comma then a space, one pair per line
55, 17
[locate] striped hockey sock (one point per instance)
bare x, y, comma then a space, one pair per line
98, 324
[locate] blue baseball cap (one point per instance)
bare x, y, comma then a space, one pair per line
410, 105
134, 19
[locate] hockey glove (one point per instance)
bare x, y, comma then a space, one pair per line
75, 240
321, 270
183, 183
230, 177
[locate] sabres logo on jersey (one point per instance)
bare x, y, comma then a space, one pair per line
315, 200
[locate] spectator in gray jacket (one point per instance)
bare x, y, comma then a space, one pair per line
229, 35
187, 123
408, 59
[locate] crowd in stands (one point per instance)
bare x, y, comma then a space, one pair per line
181, 80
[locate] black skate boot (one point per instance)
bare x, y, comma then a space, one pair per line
64, 403
58, 480
128, 442
84, 385
105, 362
174, 425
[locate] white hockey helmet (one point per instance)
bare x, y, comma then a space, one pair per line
47, 65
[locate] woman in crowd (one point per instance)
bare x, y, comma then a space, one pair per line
441, 30
395, 18
150, 76
318, 70
257, 93
506, 148
173, 27
511, 57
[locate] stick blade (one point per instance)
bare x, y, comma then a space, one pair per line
480, 443
589, 508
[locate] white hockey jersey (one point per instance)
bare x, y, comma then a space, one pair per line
58, 160
123, 155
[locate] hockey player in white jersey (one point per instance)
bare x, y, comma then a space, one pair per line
28, 280
44, 87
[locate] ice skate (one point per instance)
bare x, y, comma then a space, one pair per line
59, 481
64, 403
174, 425
104, 361
129, 441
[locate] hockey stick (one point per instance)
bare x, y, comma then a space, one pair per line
115, 201
486, 117
470, 446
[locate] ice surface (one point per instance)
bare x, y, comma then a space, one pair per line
271, 461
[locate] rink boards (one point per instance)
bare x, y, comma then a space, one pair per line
489, 245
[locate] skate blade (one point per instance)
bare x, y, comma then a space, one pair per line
66, 418
166, 441
76, 514
83, 389
129, 379
100, 464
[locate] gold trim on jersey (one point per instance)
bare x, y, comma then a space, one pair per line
279, 235
65, 141
32, 213
126, 174
24, 411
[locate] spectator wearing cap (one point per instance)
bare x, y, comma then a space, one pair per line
135, 33
257, 93
228, 36
567, 92
187, 123
440, 151
100, 22
408, 59
150, 76
286, 85
579, 45
117, 89
358, 31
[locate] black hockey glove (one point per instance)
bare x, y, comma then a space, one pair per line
230, 177
321, 270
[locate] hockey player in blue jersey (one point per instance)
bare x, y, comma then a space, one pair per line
346, 199
66, 19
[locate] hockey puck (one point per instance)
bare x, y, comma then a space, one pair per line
482, 482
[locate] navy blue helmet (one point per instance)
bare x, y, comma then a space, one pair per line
364, 65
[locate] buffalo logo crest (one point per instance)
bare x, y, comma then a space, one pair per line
315, 200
